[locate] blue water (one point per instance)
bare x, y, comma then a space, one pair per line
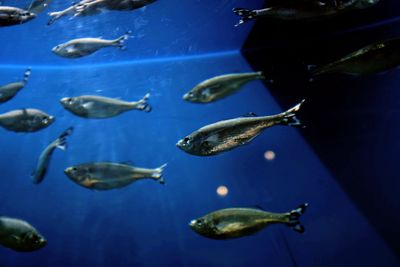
146, 224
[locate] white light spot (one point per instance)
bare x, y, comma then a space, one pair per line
269, 155
222, 191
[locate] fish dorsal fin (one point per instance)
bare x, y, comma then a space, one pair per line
250, 114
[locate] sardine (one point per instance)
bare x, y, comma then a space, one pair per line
19, 235
98, 107
109, 175
226, 135
44, 160
301, 10
374, 58
8, 91
220, 86
25, 120
240, 222
13, 16
77, 48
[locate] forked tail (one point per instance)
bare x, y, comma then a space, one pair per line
159, 172
245, 14
27, 73
294, 218
142, 104
120, 42
289, 116
62, 139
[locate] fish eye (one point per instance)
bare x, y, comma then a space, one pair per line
45, 120
186, 140
74, 169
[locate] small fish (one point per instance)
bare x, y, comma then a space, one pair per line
37, 6
8, 91
76, 9
109, 175
85, 46
374, 58
98, 107
19, 235
220, 86
226, 135
13, 16
240, 222
25, 120
301, 10
44, 160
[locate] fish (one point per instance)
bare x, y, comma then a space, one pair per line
118, 5
8, 91
37, 6
25, 120
219, 87
226, 135
99, 107
76, 9
10, 16
374, 58
302, 10
109, 175
44, 159
81, 47
239, 222
19, 235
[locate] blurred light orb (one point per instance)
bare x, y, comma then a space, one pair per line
269, 155
222, 191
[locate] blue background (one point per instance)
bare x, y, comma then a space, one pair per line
145, 224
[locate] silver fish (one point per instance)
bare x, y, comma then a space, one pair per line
109, 175
25, 120
301, 10
8, 91
240, 222
44, 159
19, 235
77, 9
226, 135
219, 87
98, 107
37, 6
374, 58
120, 5
14, 16
77, 48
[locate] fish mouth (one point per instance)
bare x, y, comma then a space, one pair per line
180, 143
185, 97
43, 242
67, 170
192, 223
63, 101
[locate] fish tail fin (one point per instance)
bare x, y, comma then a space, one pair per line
120, 42
142, 104
159, 172
27, 74
62, 139
245, 14
54, 16
289, 117
294, 218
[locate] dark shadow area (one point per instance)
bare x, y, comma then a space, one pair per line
352, 122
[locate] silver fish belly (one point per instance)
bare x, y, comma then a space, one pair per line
240, 222
19, 235
85, 46
8, 91
44, 159
220, 87
98, 107
109, 175
226, 135
25, 120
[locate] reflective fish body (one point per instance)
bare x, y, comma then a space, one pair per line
109, 175
19, 235
120, 5
77, 48
74, 10
14, 16
8, 91
220, 86
240, 222
303, 10
98, 107
25, 120
44, 159
226, 135
374, 58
